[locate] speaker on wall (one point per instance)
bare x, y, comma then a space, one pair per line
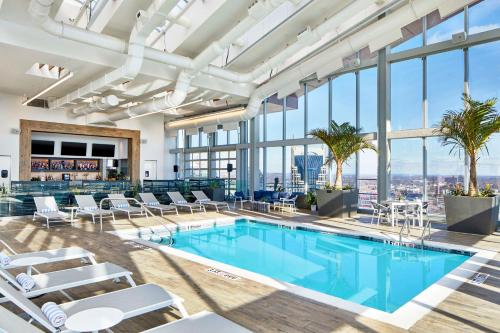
176, 168
229, 167
115, 163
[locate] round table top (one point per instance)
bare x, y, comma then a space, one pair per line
70, 207
28, 261
94, 319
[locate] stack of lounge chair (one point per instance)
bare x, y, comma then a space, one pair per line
129, 302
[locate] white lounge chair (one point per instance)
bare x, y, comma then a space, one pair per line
120, 203
179, 201
11, 323
151, 202
30, 259
202, 198
201, 322
132, 302
88, 206
46, 207
70, 278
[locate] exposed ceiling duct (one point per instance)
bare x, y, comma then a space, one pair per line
256, 13
146, 22
376, 36
97, 104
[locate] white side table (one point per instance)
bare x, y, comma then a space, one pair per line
72, 210
94, 320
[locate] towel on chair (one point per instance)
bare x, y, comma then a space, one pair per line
54, 314
25, 281
4, 259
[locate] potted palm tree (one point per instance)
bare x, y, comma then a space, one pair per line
343, 141
467, 132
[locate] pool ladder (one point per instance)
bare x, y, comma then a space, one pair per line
134, 200
405, 228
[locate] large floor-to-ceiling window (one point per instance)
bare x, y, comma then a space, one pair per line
427, 77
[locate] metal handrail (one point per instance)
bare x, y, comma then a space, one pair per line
427, 227
406, 225
143, 207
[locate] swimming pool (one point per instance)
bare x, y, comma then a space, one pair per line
362, 270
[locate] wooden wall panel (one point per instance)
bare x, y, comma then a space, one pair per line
30, 126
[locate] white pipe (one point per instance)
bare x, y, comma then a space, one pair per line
401, 17
98, 104
146, 22
256, 13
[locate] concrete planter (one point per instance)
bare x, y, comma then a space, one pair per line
471, 214
216, 194
336, 203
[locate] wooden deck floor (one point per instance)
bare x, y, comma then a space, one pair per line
258, 307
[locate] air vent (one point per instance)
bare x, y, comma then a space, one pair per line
39, 103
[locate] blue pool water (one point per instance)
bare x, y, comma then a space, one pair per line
367, 272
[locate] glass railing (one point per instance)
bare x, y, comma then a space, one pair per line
19, 199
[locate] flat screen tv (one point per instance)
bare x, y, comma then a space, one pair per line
73, 149
42, 147
103, 150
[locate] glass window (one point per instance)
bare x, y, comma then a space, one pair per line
294, 117
204, 139
367, 178
445, 84
484, 15
274, 121
406, 94
261, 168
368, 100
406, 169
221, 137
344, 98
348, 172
317, 171
488, 166
444, 171
234, 137
180, 138
194, 141
484, 80
412, 37
260, 122
294, 169
274, 172
439, 30
317, 106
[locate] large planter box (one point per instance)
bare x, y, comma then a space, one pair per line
471, 215
336, 203
215, 194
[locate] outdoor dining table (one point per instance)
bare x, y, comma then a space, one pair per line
395, 204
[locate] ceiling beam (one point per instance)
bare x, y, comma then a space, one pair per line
198, 13
104, 15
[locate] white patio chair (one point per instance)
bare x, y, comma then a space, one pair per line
70, 278
88, 206
179, 201
29, 259
380, 211
133, 301
120, 203
151, 202
9, 322
204, 321
202, 198
46, 207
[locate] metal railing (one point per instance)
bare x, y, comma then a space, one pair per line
146, 210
